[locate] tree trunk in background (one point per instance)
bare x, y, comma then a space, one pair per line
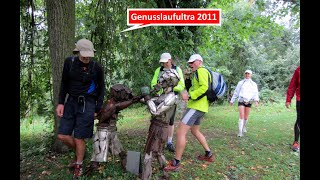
61, 29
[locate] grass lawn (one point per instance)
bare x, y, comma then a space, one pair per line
263, 153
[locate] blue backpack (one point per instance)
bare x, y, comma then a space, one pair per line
217, 87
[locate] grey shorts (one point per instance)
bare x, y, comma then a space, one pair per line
192, 117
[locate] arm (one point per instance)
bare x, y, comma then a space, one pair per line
292, 87
236, 93
63, 87
203, 75
187, 81
64, 81
180, 86
100, 88
122, 105
110, 108
256, 93
154, 80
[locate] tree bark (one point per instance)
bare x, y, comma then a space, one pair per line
61, 30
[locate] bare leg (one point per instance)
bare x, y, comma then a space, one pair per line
246, 116
181, 139
246, 112
80, 149
241, 112
67, 140
195, 130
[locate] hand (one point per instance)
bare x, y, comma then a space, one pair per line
184, 95
97, 114
288, 104
256, 103
231, 103
59, 110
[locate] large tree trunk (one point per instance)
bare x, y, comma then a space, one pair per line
61, 29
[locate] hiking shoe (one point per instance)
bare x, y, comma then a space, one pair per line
78, 171
170, 147
74, 160
210, 158
172, 166
295, 146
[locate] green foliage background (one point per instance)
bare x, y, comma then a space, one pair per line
249, 38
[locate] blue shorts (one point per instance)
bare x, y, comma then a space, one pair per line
78, 118
192, 117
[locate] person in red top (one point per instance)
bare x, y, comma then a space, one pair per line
294, 88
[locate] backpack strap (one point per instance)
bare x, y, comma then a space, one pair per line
196, 74
91, 71
91, 68
161, 68
172, 67
209, 83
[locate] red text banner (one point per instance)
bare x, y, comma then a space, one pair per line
139, 18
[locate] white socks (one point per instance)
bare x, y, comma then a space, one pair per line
169, 140
241, 123
244, 129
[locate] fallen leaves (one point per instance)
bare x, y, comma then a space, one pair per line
46, 172
101, 169
204, 166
